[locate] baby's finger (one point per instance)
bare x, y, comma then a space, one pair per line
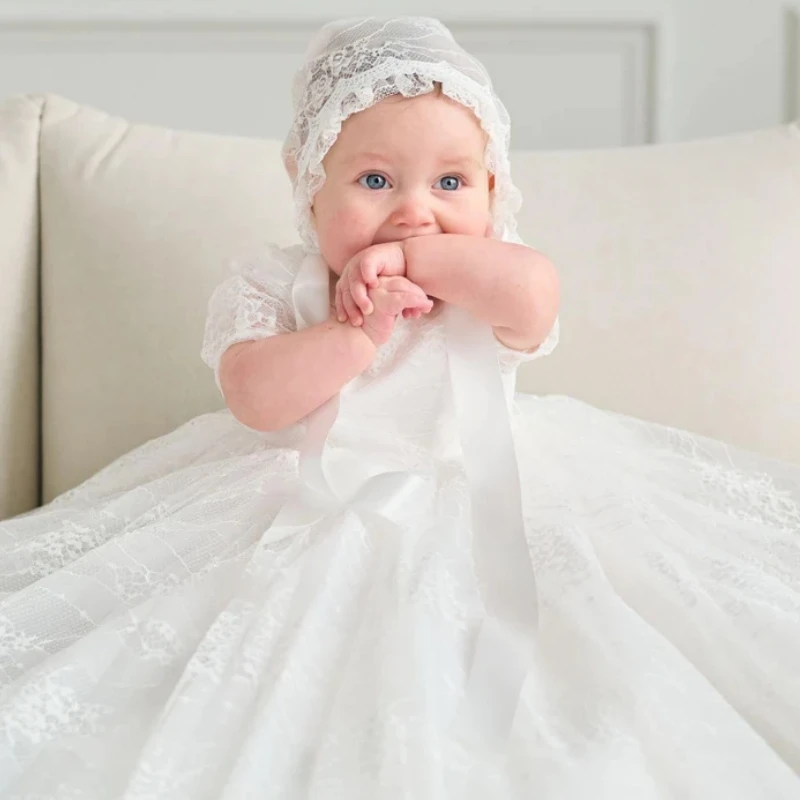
416, 298
353, 314
369, 272
405, 300
341, 314
359, 293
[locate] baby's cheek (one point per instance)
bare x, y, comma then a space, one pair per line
473, 218
480, 225
343, 234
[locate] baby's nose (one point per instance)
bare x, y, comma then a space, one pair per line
412, 211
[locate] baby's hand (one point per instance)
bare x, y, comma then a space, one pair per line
393, 296
362, 273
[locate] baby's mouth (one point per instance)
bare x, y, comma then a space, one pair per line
403, 237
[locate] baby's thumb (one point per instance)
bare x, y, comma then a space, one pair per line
419, 300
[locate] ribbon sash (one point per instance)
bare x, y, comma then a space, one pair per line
506, 636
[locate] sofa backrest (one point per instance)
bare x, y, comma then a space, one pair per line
679, 269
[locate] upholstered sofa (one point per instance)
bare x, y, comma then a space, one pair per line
680, 270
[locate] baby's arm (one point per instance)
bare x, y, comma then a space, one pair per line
510, 286
271, 383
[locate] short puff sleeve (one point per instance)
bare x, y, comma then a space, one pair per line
253, 303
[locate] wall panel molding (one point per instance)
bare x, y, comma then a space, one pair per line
568, 84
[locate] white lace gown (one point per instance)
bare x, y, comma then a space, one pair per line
157, 640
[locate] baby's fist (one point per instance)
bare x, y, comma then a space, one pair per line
393, 296
362, 273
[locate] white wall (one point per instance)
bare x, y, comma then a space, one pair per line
574, 73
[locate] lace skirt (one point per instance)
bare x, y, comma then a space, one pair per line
158, 641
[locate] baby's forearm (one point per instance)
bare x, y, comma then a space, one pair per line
272, 383
511, 287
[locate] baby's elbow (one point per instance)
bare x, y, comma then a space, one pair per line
547, 295
253, 418
264, 417
535, 305
249, 404
259, 417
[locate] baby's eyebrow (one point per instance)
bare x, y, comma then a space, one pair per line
465, 162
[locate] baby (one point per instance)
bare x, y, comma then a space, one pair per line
423, 590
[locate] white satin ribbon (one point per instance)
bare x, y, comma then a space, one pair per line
506, 637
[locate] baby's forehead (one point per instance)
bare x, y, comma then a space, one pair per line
434, 122
386, 155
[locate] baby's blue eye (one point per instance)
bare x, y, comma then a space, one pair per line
373, 181
450, 182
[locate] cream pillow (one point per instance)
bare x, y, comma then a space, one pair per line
139, 224
680, 273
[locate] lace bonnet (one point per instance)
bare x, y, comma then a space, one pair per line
352, 64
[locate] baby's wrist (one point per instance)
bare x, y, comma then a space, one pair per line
370, 336
403, 245
363, 347
411, 259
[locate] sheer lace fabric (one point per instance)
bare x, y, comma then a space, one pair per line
252, 303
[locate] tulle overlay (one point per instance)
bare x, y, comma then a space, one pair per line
159, 640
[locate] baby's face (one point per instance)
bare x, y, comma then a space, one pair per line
401, 168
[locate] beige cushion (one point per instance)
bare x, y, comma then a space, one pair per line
138, 226
680, 268
678, 262
19, 306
